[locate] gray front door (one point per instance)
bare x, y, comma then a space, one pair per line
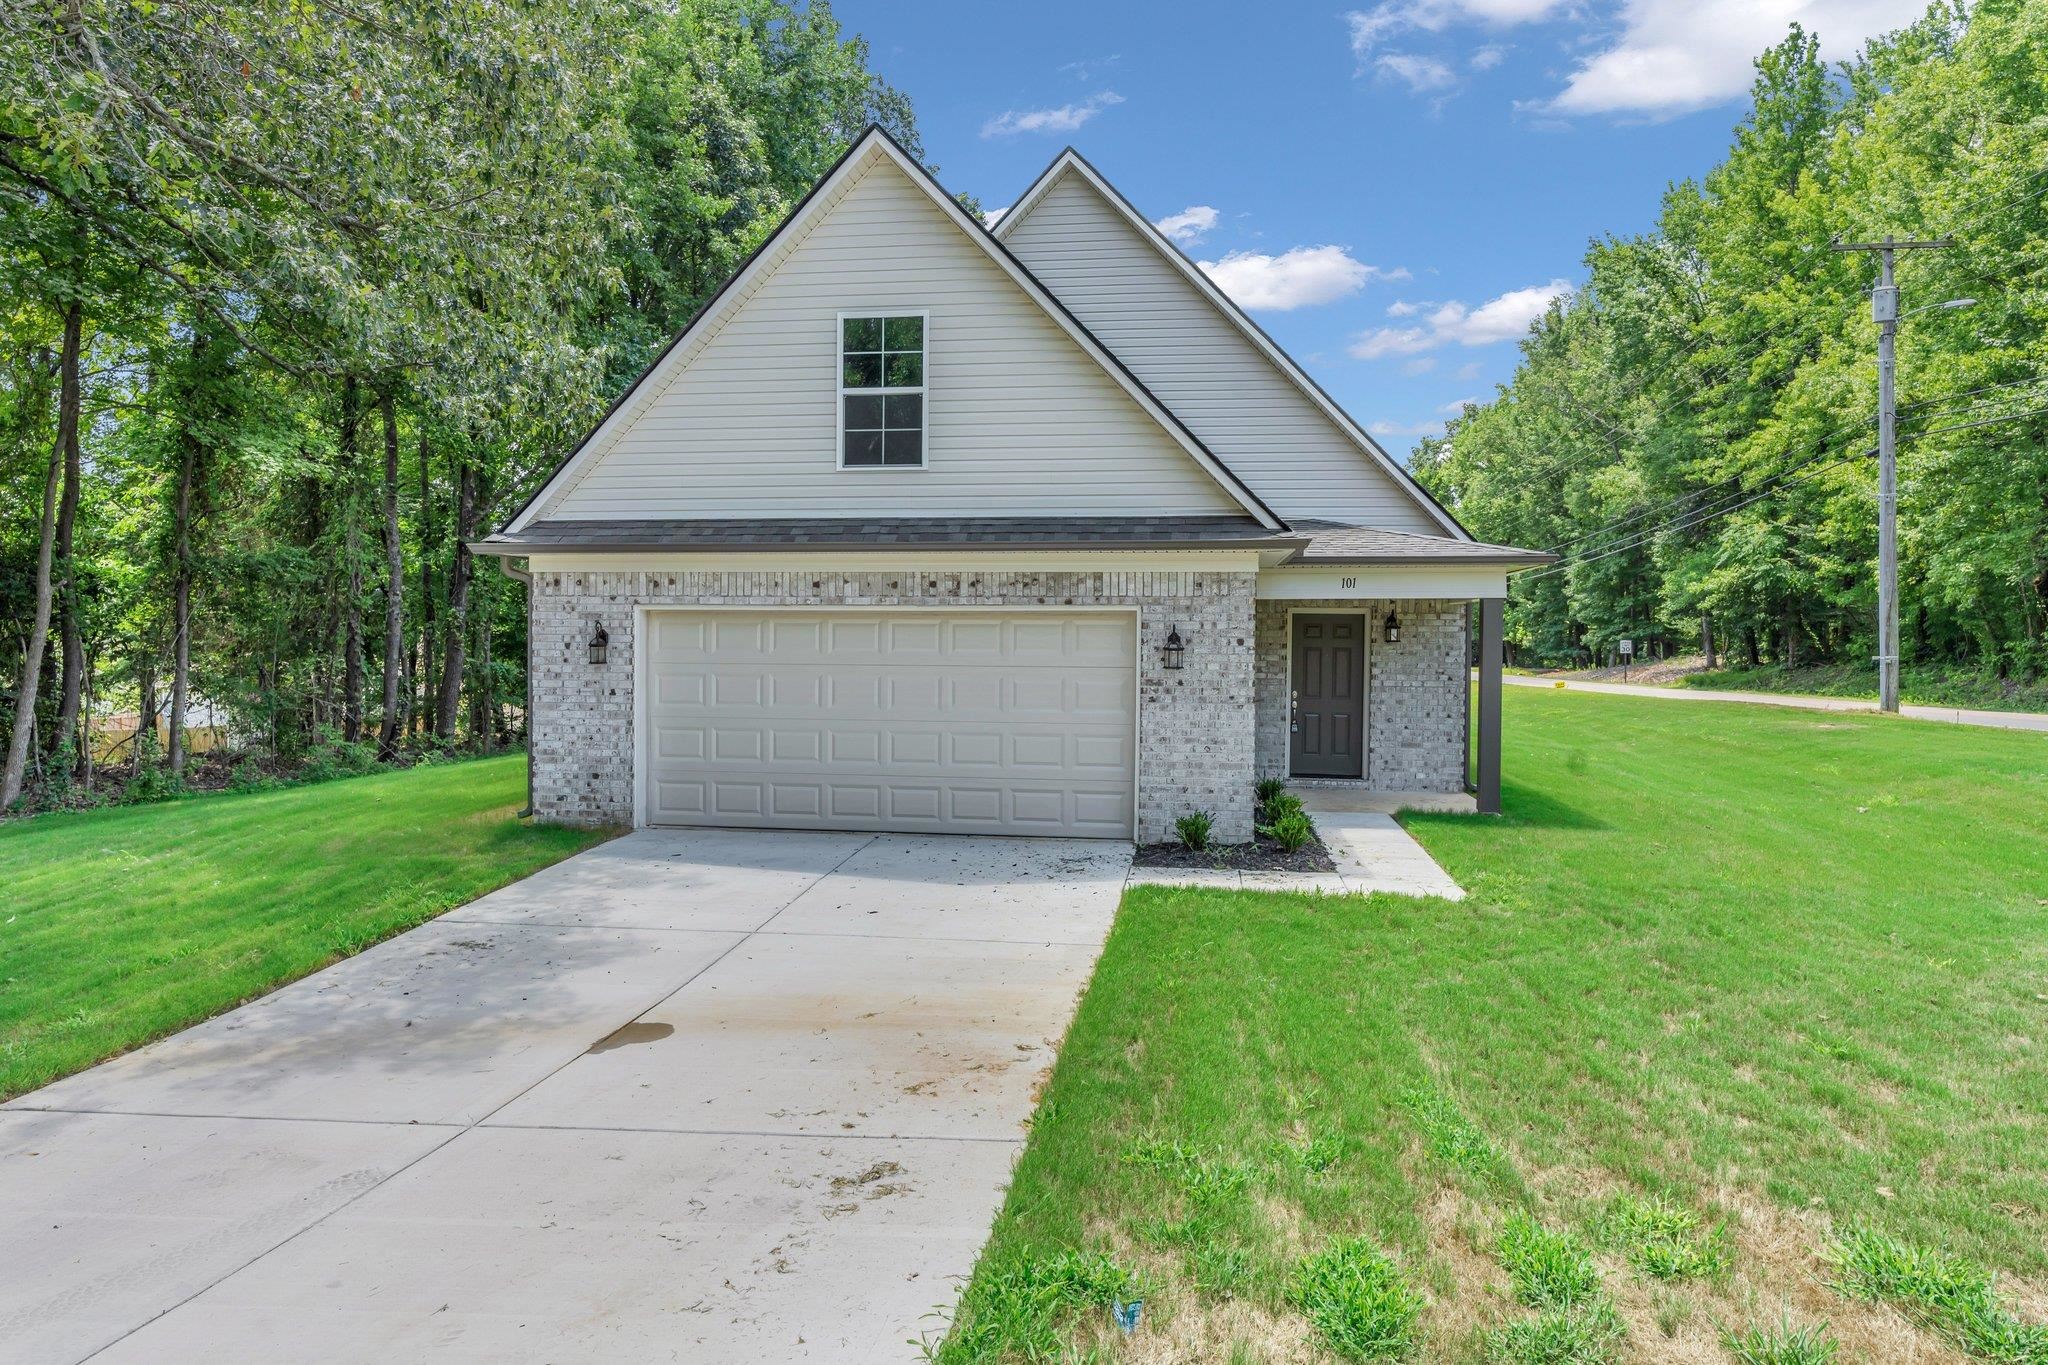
1327, 736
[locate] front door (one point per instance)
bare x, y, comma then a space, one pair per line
1327, 697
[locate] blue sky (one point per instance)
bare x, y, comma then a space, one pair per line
1395, 188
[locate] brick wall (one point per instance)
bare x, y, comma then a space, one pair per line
1416, 693
1195, 723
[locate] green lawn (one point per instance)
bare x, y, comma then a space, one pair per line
120, 926
1736, 989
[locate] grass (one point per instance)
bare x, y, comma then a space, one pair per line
1664, 1240
120, 926
1359, 1301
1951, 1294
1548, 1269
1784, 1344
1783, 972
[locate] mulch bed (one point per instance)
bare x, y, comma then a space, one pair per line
1260, 855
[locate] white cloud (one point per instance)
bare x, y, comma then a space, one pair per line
1294, 279
1369, 28
1408, 308
1189, 225
1469, 370
1674, 56
1501, 318
1417, 72
1421, 364
1065, 119
1089, 66
1456, 406
1383, 427
989, 217
1488, 57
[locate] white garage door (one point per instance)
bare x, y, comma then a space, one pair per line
967, 722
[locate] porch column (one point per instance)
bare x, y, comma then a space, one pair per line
1488, 777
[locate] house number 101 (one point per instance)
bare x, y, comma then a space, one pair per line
1349, 583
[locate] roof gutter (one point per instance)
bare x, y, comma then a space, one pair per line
506, 550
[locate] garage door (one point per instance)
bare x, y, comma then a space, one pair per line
967, 722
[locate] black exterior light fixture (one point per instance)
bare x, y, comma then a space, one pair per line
1393, 628
600, 644
1175, 649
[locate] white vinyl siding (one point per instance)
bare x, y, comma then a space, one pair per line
1243, 408
1020, 421
1017, 722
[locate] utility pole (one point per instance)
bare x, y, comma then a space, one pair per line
1884, 309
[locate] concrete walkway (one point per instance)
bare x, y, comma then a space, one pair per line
1371, 851
1996, 720
695, 1096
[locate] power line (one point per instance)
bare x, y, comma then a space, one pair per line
1988, 421
1775, 483
1967, 393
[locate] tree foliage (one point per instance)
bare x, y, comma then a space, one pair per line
1692, 431
347, 280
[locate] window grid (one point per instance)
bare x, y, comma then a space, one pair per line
881, 390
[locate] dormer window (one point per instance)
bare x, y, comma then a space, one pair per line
881, 390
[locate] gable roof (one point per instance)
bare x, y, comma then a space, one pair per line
1071, 162
875, 142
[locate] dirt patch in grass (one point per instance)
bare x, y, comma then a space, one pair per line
1778, 1270
1260, 855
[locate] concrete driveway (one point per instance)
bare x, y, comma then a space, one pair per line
693, 1095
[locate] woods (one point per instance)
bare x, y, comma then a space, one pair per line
300, 298
1692, 431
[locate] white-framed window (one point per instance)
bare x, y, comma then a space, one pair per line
881, 389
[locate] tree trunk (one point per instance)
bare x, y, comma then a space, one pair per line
181, 585
429, 694
352, 608
38, 633
458, 602
1789, 651
1707, 637
145, 713
394, 587
64, 565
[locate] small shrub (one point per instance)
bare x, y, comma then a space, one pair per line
1664, 1240
1280, 807
1784, 1344
1359, 1300
1548, 1269
1291, 832
250, 777
1193, 829
1586, 1335
1266, 789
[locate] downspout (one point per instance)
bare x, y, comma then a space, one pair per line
524, 576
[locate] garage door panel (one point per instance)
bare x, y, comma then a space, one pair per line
978, 722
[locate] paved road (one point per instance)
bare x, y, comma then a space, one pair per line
694, 1096
1996, 720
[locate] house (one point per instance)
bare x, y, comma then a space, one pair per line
921, 526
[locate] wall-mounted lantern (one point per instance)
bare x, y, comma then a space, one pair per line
1393, 628
1175, 649
600, 643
